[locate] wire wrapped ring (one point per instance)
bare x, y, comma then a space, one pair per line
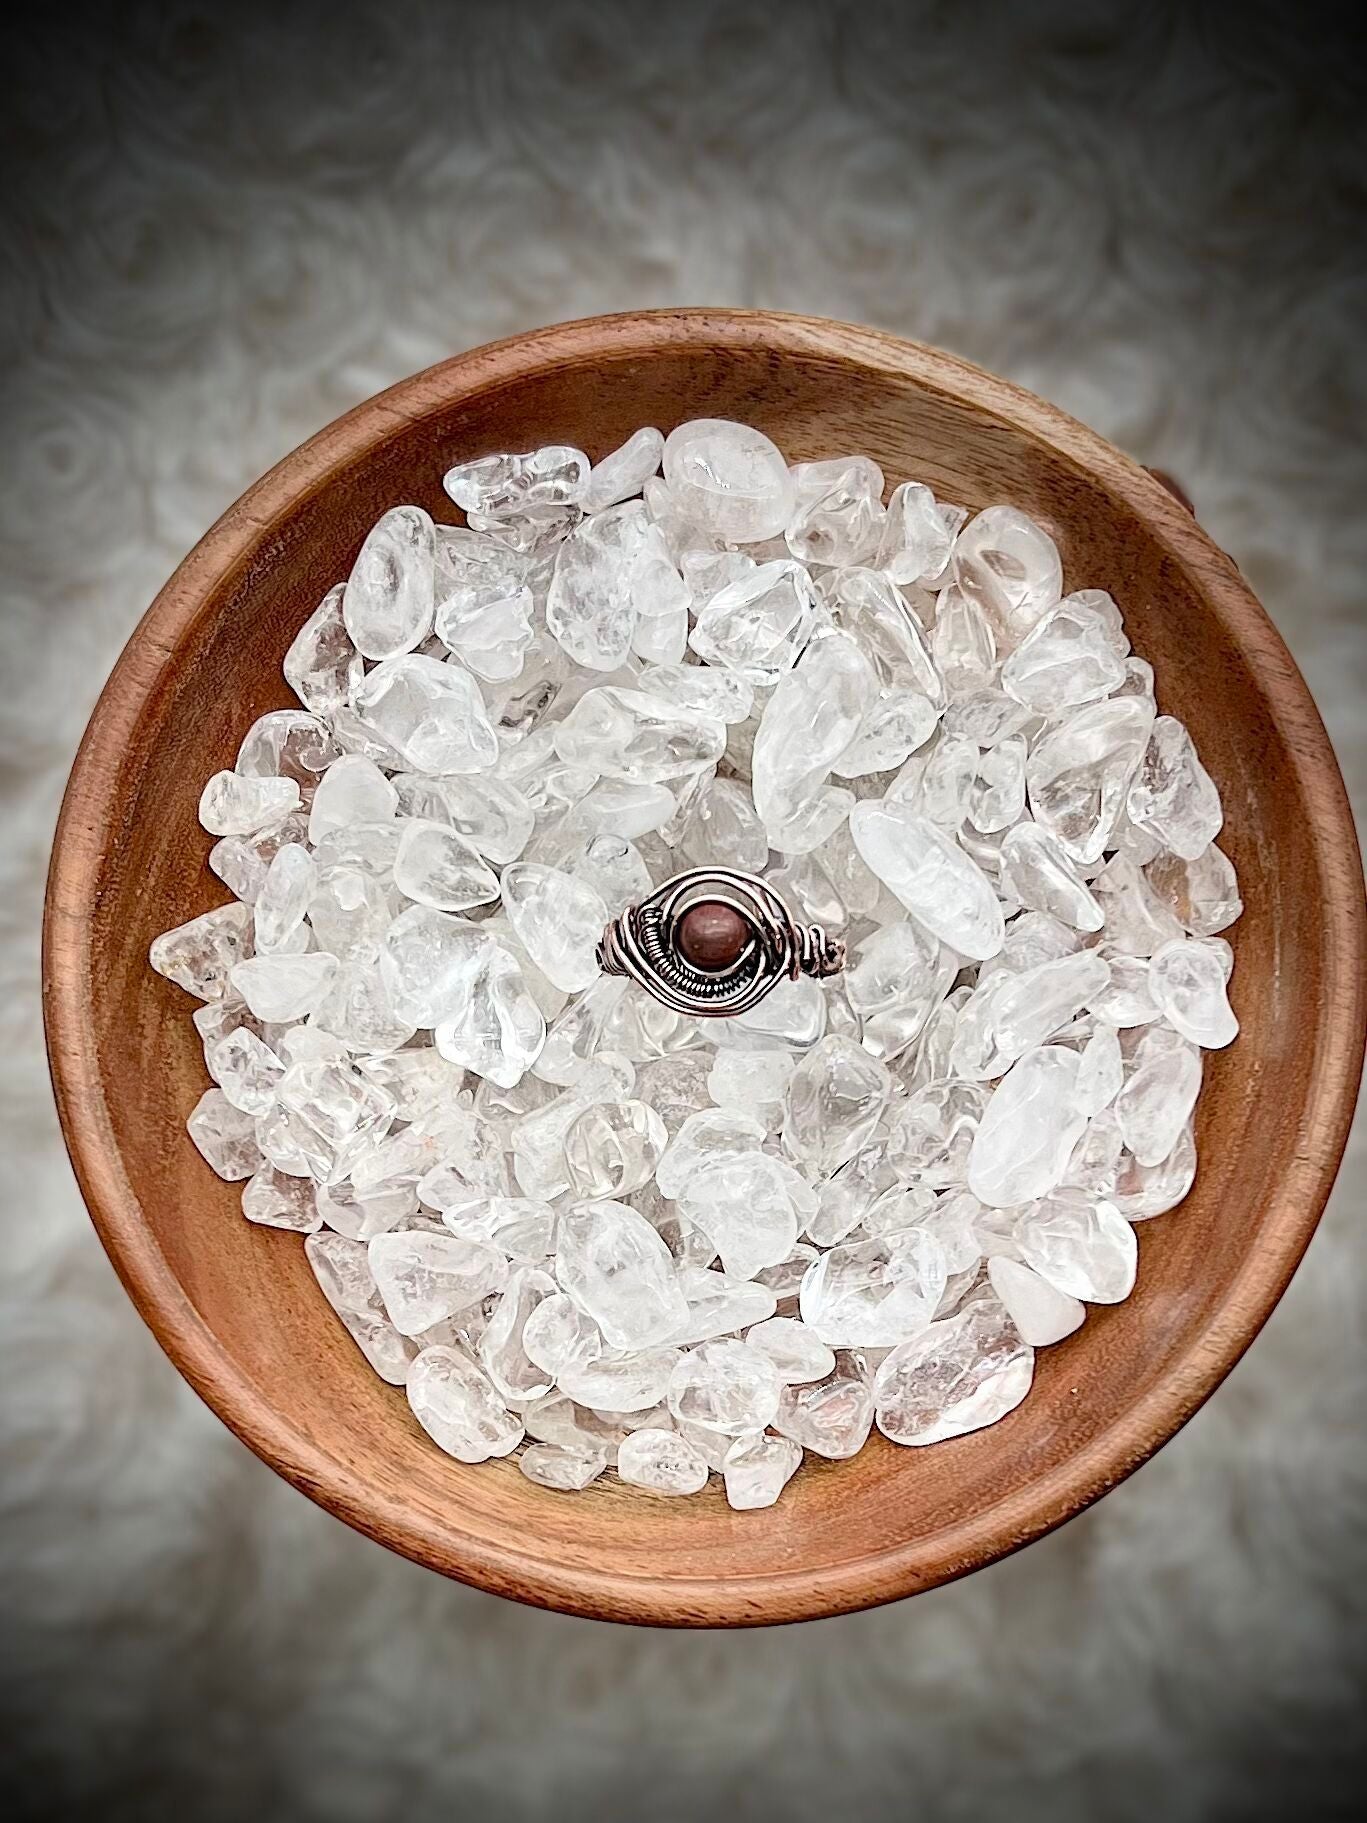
648, 943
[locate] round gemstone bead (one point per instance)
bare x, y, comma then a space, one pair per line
712, 935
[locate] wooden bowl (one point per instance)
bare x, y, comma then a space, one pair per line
235, 1306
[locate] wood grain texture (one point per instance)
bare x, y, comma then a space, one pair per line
235, 1306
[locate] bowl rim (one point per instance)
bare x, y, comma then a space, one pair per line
902, 1568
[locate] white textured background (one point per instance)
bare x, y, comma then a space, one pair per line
224, 227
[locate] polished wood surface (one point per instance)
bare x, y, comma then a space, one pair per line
235, 1306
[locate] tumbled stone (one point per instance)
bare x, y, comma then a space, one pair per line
1041, 1313
809, 721
729, 478
662, 1462
434, 866
724, 1386
1084, 1248
838, 515
1036, 870
389, 598
277, 1201
931, 875
423, 1277
758, 625
322, 666
956, 1376
1010, 567
831, 1417
566, 1470
1173, 796
458, 1407
283, 987
506, 486
613, 1147
224, 1135
201, 955
231, 805
430, 713
1078, 774
1031, 1125
757, 1469
619, 1272
558, 919
875, 1293
1187, 980
835, 1098
795, 1352
623, 472
637, 737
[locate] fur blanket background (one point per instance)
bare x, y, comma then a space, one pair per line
223, 228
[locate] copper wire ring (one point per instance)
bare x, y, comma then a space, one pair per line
642, 944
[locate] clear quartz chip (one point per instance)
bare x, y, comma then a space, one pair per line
796, 1353
814, 713
759, 624
613, 1147
931, 875
388, 602
1078, 774
835, 1098
635, 736
757, 1469
558, 919
724, 1386
430, 713
509, 486
231, 805
661, 1461
322, 666
956, 1376
1041, 1313
434, 866
620, 1273
623, 472
1010, 567
224, 1135
423, 1278
1173, 796
201, 955
1027, 1134
1084, 1248
830, 1417
1187, 980
729, 479
457, 1405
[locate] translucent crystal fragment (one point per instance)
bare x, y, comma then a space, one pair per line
894, 726
388, 602
916, 537
559, 921
1010, 567
724, 1386
1040, 1001
201, 955
283, 987
662, 1462
424, 1277
757, 1469
759, 624
508, 486
491, 1024
1065, 661
430, 713
958, 1375
1078, 774
457, 1405
838, 517
225, 1136
1037, 871
997, 795
501, 1354
351, 791
796, 1353
565, 1470
875, 1293
322, 666
1173, 796
1202, 894
247, 1071
284, 897
1086, 1249
433, 866
1041, 1313
1156, 1101
931, 875
620, 1273
831, 1417
836, 1096
812, 716
623, 472
637, 737
231, 805
1187, 979
591, 607
751, 1207
729, 479
894, 980
1032, 1122
752, 1082
719, 1305
277, 1201
613, 1147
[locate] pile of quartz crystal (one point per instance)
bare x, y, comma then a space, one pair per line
577, 1225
